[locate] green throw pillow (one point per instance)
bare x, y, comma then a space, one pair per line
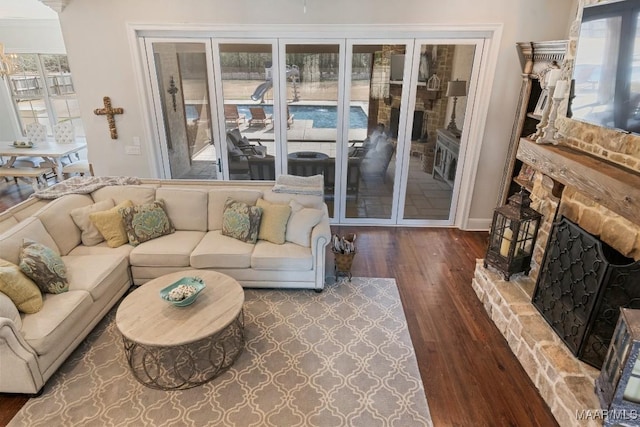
273, 224
241, 221
19, 288
145, 222
44, 267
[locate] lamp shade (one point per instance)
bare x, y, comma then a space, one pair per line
456, 88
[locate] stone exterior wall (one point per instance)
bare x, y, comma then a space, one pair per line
564, 382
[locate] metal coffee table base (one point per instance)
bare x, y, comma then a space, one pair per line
189, 365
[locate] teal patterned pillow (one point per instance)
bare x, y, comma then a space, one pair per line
241, 221
145, 222
44, 267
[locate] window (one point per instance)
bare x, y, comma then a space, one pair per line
42, 91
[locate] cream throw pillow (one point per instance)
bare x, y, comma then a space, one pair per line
301, 223
110, 224
80, 216
273, 225
24, 293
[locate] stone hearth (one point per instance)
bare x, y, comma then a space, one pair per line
564, 382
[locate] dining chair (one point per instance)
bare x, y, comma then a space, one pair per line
36, 132
64, 133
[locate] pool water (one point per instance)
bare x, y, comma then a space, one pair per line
323, 116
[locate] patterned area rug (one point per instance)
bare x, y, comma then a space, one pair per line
342, 357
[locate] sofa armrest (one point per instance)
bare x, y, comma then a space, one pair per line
19, 372
320, 237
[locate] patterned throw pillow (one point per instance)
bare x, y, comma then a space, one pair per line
145, 222
44, 267
241, 221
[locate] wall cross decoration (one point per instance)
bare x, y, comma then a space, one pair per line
110, 113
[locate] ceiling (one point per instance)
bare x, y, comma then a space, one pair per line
25, 9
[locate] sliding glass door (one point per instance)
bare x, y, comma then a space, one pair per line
181, 95
385, 122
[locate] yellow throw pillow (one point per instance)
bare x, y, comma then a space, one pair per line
110, 224
273, 225
24, 293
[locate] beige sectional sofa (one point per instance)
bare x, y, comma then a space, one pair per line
33, 346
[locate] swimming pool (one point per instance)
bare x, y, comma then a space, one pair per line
323, 116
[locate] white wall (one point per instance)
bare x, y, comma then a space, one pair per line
100, 57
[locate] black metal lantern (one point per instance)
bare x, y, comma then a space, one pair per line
618, 386
513, 236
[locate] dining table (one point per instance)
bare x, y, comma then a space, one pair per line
49, 151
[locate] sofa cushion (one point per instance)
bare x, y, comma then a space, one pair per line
301, 223
186, 208
90, 235
7, 223
95, 274
218, 251
110, 224
241, 221
24, 293
217, 199
62, 315
9, 310
138, 194
288, 256
273, 224
172, 250
30, 228
56, 218
44, 267
145, 222
101, 249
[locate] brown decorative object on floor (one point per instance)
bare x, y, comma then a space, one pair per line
344, 250
109, 112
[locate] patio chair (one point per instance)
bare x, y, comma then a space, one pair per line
231, 115
258, 117
262, 168
376, 161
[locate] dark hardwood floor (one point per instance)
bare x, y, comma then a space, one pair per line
470, 376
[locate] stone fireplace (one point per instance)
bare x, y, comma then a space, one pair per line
591, 178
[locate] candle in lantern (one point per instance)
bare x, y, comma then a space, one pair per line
506, 242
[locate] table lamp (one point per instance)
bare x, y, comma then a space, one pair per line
455, 89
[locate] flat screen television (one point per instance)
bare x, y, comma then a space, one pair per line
606, 74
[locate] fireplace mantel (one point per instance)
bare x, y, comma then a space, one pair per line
606, 183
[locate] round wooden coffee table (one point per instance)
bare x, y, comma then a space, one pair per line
173, 348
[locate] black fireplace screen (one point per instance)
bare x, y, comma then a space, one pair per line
581, 286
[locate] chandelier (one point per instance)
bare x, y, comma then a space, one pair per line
7, 62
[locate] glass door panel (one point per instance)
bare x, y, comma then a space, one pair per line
376, 96
246, 76
182, 95
444, 73
314, 111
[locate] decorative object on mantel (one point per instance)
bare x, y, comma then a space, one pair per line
548, 78
513, 236
549, 132
173, 90
109, 112
618, 386
344, 250
455, 89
